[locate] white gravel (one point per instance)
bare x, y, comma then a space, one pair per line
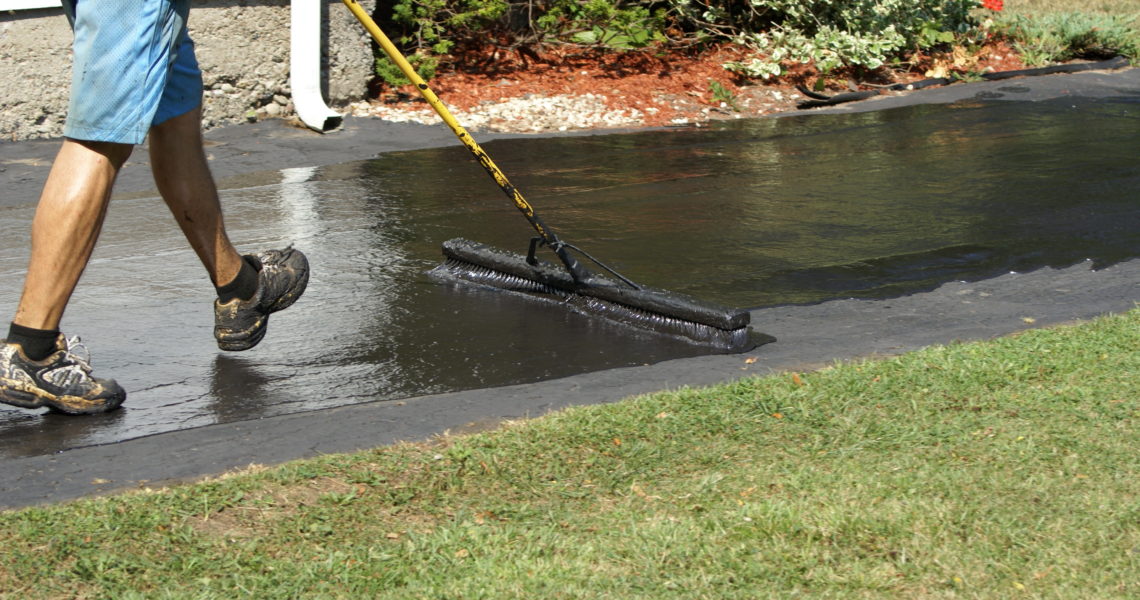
526, 114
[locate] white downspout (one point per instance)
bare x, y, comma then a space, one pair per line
28, 4
305, 66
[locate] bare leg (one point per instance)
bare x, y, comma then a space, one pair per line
68, 220
184, 180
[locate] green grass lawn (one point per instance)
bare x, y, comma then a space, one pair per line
1111, 7
1002, 469
1059, 30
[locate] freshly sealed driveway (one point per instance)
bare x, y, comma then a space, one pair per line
809, 337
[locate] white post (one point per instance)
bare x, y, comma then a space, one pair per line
305, 66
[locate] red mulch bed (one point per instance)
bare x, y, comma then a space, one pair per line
677, 83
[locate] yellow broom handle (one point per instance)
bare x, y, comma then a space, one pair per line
441, 110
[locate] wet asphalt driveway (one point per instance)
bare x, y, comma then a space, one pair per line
376, 353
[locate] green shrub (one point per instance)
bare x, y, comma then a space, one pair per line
425, 30
424, 63
617, 25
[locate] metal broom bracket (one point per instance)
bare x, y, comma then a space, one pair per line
535, 242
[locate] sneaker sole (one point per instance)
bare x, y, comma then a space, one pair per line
236, 343
12, 393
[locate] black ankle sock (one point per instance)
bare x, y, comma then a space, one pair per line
38, 344
244, 286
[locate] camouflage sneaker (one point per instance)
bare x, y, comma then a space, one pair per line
281, 279
61, 382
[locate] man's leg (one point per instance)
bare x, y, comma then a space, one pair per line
68, 220
249, 288
38, 368
183, 178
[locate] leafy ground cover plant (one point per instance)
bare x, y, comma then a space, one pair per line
831, 36
829, 33
862, 33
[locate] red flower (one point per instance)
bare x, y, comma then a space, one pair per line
994, 5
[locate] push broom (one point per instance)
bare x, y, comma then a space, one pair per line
721, 328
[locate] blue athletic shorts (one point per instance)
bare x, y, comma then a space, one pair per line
133, 67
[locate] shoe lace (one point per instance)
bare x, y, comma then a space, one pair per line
76, 360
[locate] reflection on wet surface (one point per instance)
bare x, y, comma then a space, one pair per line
747, 213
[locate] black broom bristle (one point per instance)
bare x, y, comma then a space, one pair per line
724, 329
